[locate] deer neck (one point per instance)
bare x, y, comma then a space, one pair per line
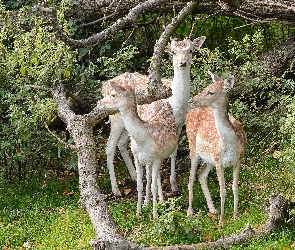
180, 94
134, 125
223, 124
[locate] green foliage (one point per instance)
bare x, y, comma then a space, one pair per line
30, 56
118, 63
12, 4
172, 226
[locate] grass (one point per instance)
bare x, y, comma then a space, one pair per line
44, 214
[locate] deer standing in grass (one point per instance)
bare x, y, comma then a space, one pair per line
152, 140
181, 52
216, 138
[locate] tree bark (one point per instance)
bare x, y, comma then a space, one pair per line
279, 9
91, 199
280, 61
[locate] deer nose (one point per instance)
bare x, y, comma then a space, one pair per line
182, 64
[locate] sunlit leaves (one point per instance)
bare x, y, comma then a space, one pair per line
30, 54
118, 63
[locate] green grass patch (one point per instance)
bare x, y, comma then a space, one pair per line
45, 213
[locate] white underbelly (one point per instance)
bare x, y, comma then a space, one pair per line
208, 154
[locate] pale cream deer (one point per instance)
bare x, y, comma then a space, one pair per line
215, 139
181, 52
118, 135
152, 140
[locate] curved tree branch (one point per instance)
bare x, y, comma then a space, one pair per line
95, 9
155, 88
108, 32
67, 145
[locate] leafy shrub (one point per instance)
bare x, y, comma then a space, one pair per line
30, 56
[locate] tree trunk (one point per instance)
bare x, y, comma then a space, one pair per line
281, 60
91, 199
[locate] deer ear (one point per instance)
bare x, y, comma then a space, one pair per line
215, 78
118, 88
168, 48
198, 42
229, 83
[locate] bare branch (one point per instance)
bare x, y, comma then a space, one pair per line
67, 145
156, 90
105, 17
40, 88
257, 19
111, 30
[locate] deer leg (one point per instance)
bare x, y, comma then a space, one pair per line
192, 176
122, 145
235, 187
115, 133
221, 180
139, 172
148, 184
154, 187
173, 181
203, 179
160, 191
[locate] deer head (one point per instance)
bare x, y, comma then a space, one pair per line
119, 97
215, 94
181, 51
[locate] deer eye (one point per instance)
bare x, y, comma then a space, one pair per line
190, 51
113, 95
173, 52
210, 93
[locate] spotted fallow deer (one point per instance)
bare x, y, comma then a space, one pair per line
118, 135
181, 52
216, 138
152, 140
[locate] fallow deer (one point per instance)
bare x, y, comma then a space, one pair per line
217, 139
118, 135
152, 140
181, 52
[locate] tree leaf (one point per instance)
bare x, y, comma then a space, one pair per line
66, 72
23, 70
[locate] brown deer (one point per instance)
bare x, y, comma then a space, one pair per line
152, 140
217, 139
